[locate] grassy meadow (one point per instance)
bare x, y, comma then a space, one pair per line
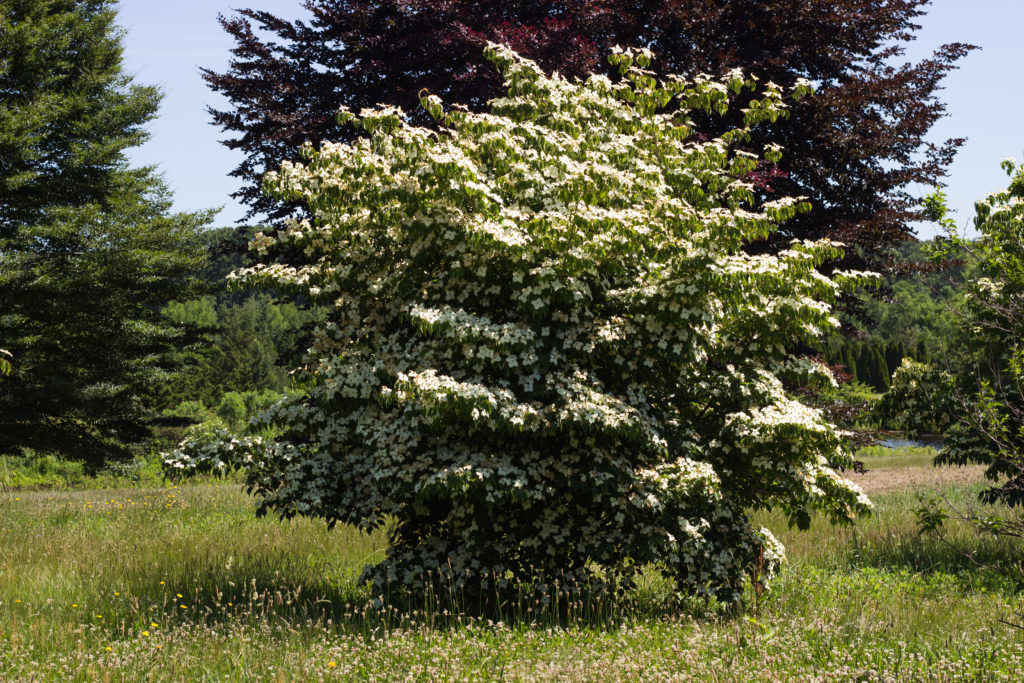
185, 583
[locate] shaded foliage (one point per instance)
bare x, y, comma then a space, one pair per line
247, 338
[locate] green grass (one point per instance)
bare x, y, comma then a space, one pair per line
37, 471
904, 456
90, 583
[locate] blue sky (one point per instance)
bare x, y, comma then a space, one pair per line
167, 42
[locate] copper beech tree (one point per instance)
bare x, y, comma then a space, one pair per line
853, 150
547, 355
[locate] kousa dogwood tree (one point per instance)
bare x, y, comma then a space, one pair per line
547, 354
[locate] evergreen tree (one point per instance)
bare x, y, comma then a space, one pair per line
893, 356
881, 371
922, 352
88, 252
246, 343
67, 109
865, 368
249, 337
869, 366
850, 361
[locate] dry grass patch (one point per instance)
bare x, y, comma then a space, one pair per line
890, 479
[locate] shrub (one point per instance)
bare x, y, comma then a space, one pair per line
257, 402
920, 399
209, 431
42, 470
189, 410
232, 409
856, 392
548, 355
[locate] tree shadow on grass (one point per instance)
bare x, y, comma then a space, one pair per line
292, 593
976, 560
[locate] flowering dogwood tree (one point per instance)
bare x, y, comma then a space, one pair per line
548, 355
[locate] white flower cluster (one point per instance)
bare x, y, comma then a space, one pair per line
921, 398
461, 326
547, 351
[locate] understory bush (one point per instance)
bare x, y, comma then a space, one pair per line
547, 354
920, 400
31, 470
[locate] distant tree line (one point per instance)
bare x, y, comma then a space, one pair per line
911, 315
873, 363
246, 339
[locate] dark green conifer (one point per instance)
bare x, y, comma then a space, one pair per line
881, 370
88, 252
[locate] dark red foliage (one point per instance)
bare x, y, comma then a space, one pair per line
853, 149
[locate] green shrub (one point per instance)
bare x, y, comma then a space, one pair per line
192, 410
232, 409
854, 392
32, 470
258, 401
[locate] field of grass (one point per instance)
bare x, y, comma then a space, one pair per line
172, 583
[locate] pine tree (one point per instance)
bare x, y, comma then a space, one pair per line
893, 355
870, 366
922, 352
88, 252
850, 361
865, 368
246, 342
